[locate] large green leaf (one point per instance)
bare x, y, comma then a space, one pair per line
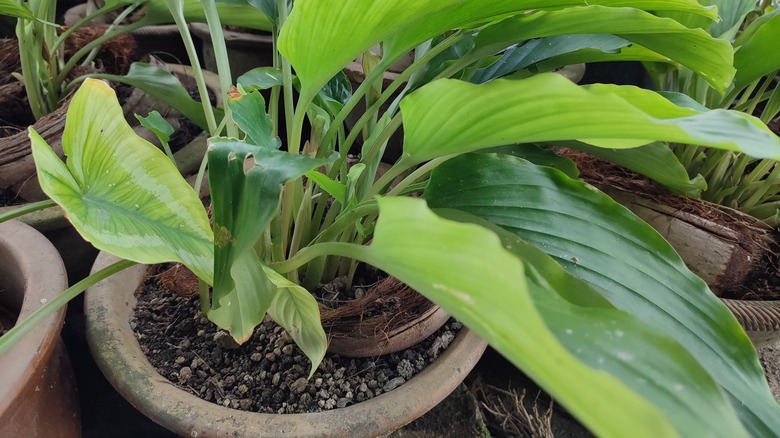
466, 269
605, 338
119, 191
694, 48
757, 54
246, 185
451, 117
620, 256
163, 86
338, 40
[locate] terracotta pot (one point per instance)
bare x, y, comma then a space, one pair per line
38, 396
108, 308
721, 256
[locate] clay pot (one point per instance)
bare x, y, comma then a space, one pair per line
109, 306
38, 396
721, 256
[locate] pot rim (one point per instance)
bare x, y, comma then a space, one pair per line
108, 307
41, 272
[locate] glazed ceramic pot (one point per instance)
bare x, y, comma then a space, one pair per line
109, 307
38, 396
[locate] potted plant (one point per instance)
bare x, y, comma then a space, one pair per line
613, 307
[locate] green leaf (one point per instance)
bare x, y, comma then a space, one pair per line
246, 185
694, 48
652, 364
250, 115
452, 117
261, 78
241, 307
655, 161
465, 269
295, 309
335, 189
335, 94
757, 56
620, 256
731, 14
13, 9
120, 192
540, 49
163, 86
157, 124
629, 53
410, 22
539, 155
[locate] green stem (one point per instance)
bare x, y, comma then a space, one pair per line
205, 299
197, 70
28, 60
417, 174
386, 94
79, 24
221, 56
74, 60
26, 209
385, 180
118, 20
21, 328
317, 250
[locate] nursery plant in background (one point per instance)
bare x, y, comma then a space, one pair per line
734, 179
49, 72
608, 321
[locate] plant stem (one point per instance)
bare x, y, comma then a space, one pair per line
386, 94
205, 300
26, 209
21, 328
221, 56
118, 20
417, 174
28, 60
79, 24
317, 250
63, 74
176, 9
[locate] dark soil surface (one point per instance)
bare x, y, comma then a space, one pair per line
268, 373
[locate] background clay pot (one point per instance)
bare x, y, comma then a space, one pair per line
38, 396
108, 308
721, 256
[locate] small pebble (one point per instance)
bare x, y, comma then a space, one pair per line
185, 374
299, 386
393, 383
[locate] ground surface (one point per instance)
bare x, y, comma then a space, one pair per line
770, 359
